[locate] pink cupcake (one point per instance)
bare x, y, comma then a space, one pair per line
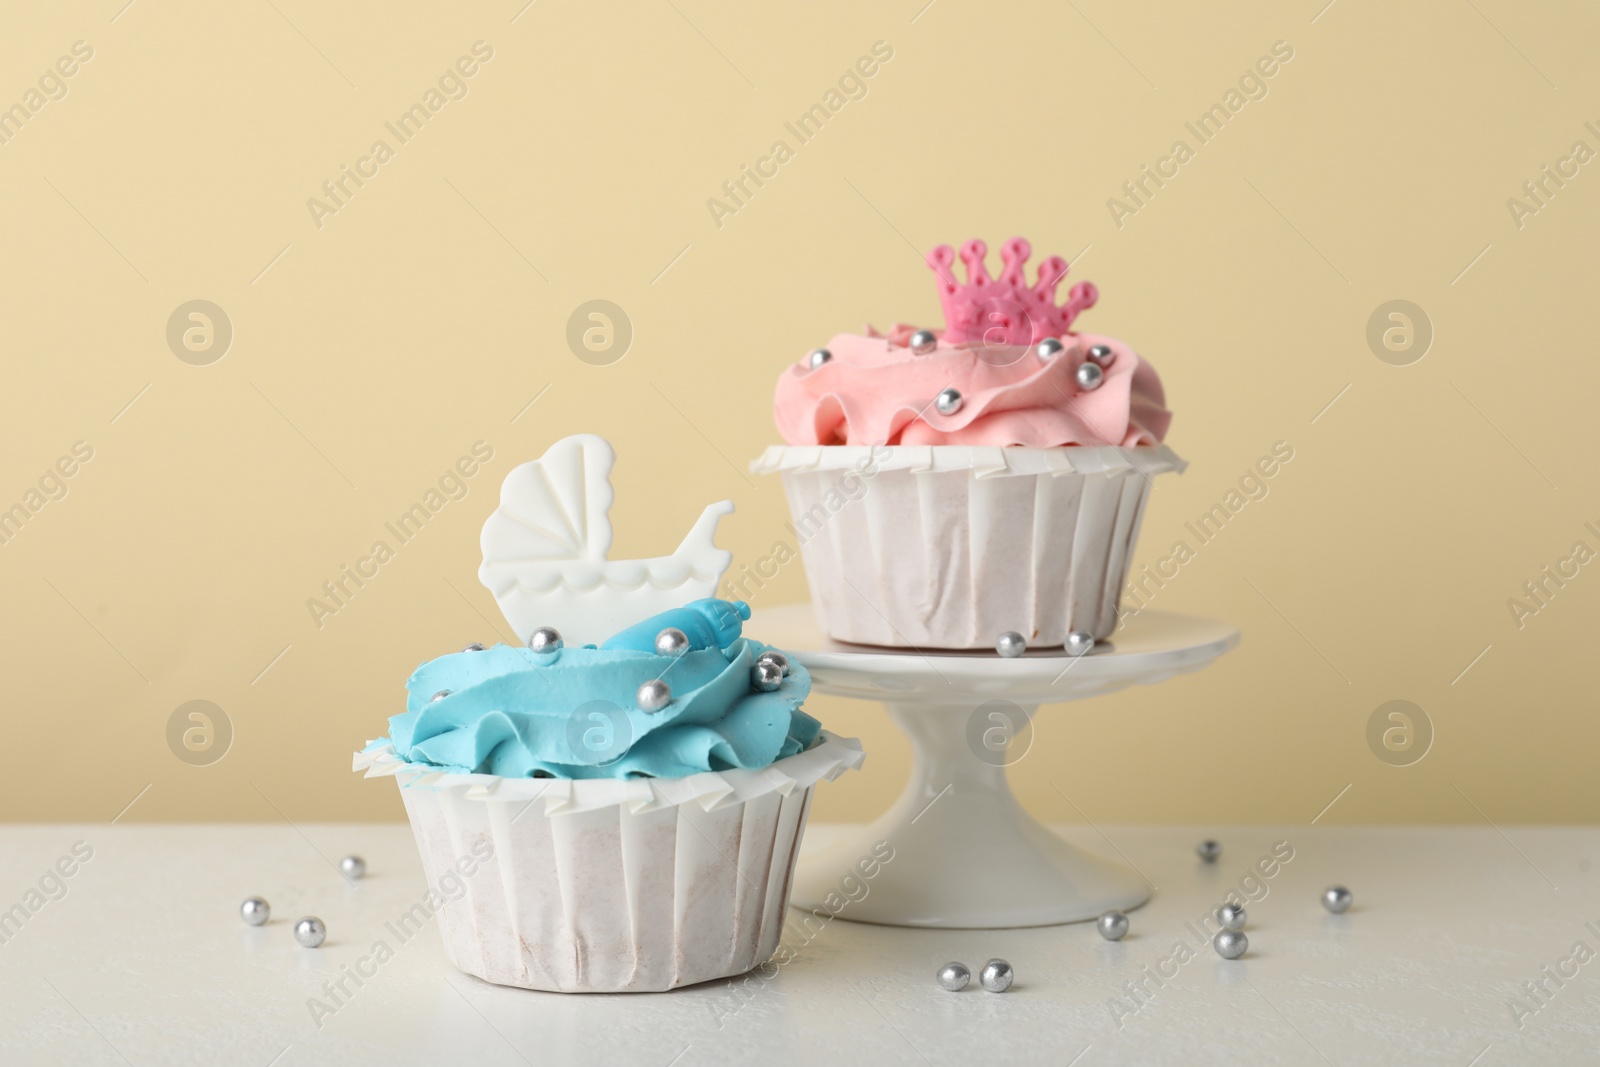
949, 486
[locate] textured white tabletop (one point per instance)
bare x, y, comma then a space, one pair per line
139, 957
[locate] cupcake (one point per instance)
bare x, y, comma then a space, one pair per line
614, 816
950, 485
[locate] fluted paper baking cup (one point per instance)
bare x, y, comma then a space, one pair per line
612, 885
949, 546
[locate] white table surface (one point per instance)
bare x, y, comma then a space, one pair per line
144, 960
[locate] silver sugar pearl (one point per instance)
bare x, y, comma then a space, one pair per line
440, 695
1102, 354
923, 342
996, 976
474, 647
765, 676
948, 402
672, 642
1232, 916
654, 695
1079, 643
772, 655
1113, 926
546, 641
818, 357
310, 932
1337, 899
1010, 645
353, 867
255, 911
954, 977
1208, 850
1050, 348
1230, 944
1090, 376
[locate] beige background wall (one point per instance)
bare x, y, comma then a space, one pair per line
371, 351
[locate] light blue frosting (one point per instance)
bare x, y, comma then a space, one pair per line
515, 713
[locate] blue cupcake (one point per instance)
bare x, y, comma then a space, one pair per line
620, 816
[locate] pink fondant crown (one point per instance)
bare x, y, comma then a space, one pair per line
1005, 310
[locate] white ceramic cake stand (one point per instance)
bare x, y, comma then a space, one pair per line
965, 853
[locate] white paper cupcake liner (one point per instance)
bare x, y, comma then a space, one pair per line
612, 885
949, 547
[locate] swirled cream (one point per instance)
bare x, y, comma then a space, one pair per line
516, 713
874, 391
1010, 390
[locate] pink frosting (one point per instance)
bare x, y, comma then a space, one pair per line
875, 391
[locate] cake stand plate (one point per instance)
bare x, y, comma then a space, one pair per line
965, 853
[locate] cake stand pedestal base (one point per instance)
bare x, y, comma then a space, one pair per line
964, 852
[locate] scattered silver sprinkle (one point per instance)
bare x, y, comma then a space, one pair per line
1010, 644
672, 642
1113, 926
1230, 944
654, 695
996, 976
310, 932
765, 676
954, 977
546, 641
